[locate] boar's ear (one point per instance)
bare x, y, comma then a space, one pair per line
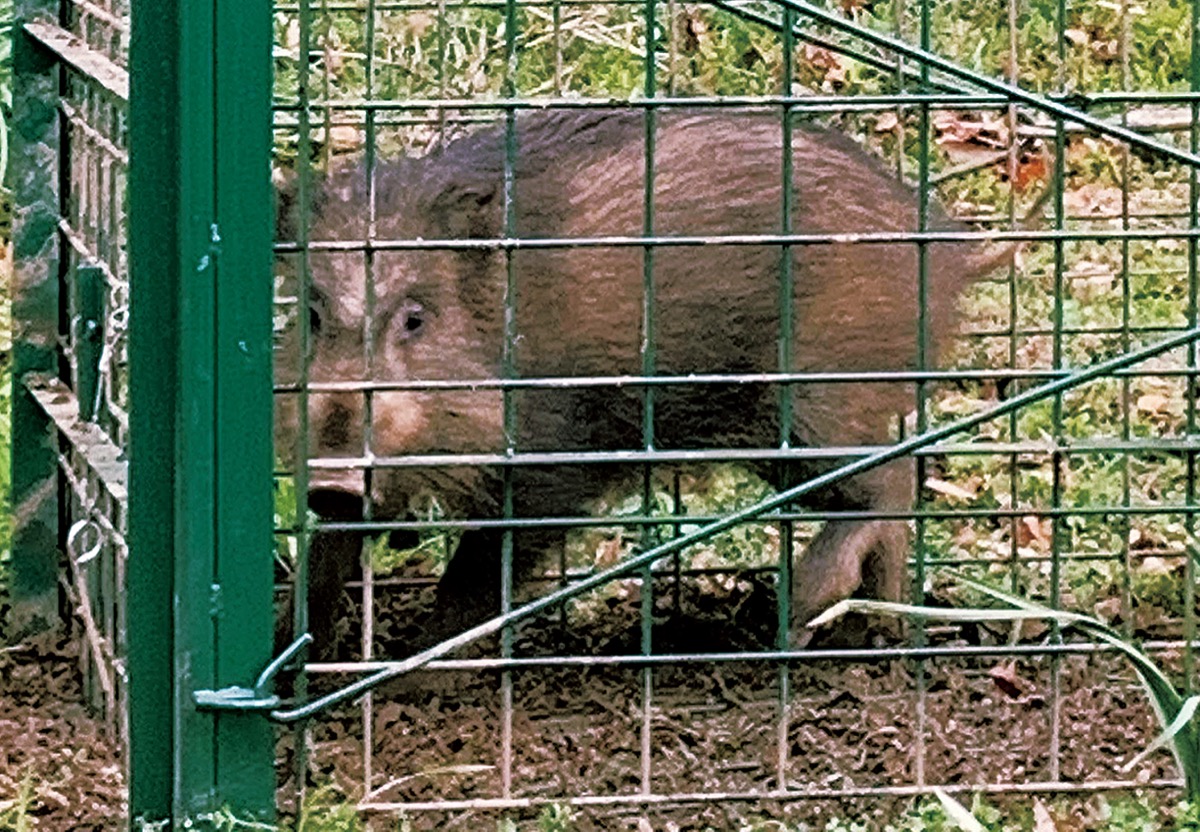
469, 211
334, 197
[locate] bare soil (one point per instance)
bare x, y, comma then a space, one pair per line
52, 748
716, 727
578, 730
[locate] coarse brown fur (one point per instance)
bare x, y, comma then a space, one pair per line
579, 312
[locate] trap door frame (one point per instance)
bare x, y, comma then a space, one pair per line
201, 455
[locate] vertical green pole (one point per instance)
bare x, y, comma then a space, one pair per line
786, 348
920, 543
196, 591
34, 187
649, 356
200, 519
154, 213
244, 452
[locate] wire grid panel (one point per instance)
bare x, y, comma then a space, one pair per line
89, 401
473, 237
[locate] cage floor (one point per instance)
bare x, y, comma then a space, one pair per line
850, 728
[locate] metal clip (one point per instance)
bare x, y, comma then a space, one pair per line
257, 698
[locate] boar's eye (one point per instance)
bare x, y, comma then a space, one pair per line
412, 319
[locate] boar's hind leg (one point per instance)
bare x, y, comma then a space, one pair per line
847, 556
855, 557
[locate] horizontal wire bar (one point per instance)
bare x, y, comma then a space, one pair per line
782, 796
1023, 560
286, 122
799, 103
795, 102
1181, 445
1113, 330
774, 240
91, 64
407, 582
619, 521
700, 379
790, 657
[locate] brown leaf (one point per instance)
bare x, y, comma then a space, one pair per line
819, 57
886, 122
1154, 403
1033, 531
1106, 50
1110, 609
1076, 36
1006, 679
1031, 170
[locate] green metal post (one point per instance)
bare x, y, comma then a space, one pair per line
200, 519
34, 187
153, 390
245, 453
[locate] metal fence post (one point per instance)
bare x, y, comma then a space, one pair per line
200, 520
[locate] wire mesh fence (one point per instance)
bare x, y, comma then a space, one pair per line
72, 309
547, 330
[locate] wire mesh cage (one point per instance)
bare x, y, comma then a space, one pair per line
70, 232
561, 282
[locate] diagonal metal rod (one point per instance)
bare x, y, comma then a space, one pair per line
875, 61
1010, 91
882, 457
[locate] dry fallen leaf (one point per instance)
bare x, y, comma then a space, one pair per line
1033, 531
1006, 679
886, 122
949, 489
1076, 36
1154, 403
1031, 170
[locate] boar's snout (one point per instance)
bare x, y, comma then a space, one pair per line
335, 420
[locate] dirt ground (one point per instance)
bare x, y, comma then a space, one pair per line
716, 727
577, 731
52, 749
